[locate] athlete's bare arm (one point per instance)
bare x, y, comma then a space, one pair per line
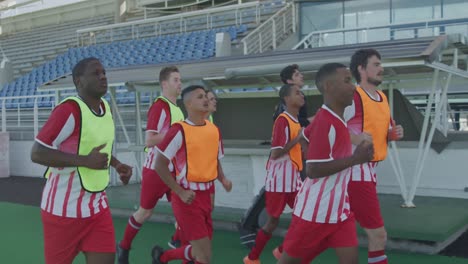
227, 184
364, 152
162, 168
279, 152
125, 171
395, 132
56, 158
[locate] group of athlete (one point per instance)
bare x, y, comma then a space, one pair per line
341, 147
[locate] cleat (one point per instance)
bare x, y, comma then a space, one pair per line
156, 253
122, 254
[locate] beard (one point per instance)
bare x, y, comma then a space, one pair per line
374, 81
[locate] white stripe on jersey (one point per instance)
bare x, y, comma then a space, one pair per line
286, 133
62, 192
331, 139
364, 172
304, 136
162, 118
282, 176
319, 200
150, 159
150, 162
66, 132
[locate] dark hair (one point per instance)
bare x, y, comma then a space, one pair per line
79, 68
165, 73
190, 89
325, 72
288, 72
360, 58
285, 91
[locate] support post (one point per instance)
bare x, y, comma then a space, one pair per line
420, 167
393, 154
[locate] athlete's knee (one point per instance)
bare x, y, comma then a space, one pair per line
204, 258
378, 237
203, 254
141, 215
201, 250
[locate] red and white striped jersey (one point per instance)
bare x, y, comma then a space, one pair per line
63, 194
325, 200
365, 172
173, 148
282, 175
159, 121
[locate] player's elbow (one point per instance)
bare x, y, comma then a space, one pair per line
34, 157
161, 163
35, 154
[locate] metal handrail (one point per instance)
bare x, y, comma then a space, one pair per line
134, 26
417, 25
269, 27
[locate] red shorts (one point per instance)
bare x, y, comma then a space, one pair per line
212, 188
306, 240
365, 204
152, 189
65, 237
194, 219
275, 202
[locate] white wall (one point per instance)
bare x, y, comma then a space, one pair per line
444, 174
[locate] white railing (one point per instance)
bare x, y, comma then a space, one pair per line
451, 120
28, 113
18, 116
179, 23
347, 36
165, 4
268, 35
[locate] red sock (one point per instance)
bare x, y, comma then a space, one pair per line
179, 236
280, 248
178, 253
176, 235
130, 232
377, 257
260, 242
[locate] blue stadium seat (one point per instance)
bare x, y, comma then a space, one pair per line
168, 48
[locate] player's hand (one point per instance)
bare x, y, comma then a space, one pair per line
364, 152
227, 184
364, 136
97, 160
125, 172
187, 196
396, 132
